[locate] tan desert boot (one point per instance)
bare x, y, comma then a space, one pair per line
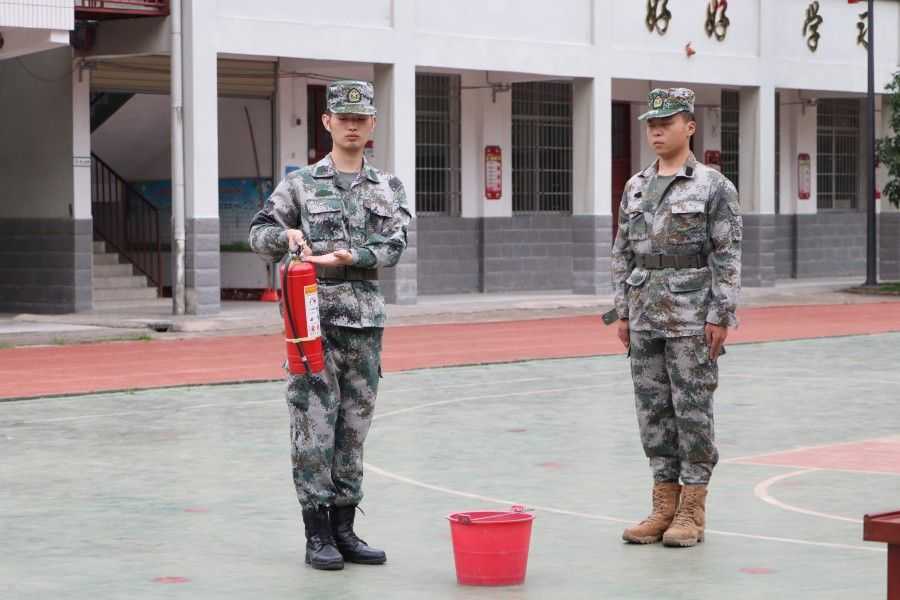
690, 520
665, 503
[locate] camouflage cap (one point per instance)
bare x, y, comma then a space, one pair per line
351, 97
665, 102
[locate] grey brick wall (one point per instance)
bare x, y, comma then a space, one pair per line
202, 277
591, 245
758, 268
785, 246
831, 244
45, 265
449, 253
889, 246
528, 252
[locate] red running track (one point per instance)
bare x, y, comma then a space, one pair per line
107, 366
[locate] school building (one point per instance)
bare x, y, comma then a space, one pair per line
513, 122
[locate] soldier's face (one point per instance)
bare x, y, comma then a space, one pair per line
670, 135
349, 132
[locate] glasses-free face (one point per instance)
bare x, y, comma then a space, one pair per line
348, 131
670, 135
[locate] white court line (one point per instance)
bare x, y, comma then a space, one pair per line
570, 388
445, 490
171, 409
559, 511
176, 409
761, 491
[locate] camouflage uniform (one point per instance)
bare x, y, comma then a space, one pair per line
331, 411
696, 213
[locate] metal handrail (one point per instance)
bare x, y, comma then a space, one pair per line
126, 220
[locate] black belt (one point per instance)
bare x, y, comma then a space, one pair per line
666, 261
347, 273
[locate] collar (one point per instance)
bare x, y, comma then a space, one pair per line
687, 169
325, 168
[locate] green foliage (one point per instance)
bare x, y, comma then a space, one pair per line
888, 148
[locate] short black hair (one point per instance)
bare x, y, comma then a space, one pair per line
688, 115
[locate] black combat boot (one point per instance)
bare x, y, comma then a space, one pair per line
352, 548
321, 551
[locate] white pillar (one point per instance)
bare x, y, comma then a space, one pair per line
471, 114
395, 151
592, 184
592, 147
806, 130
81, 143
291, 114
757, 149
201, 132
757, 184
497, 132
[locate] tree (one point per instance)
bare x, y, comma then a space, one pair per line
888, 148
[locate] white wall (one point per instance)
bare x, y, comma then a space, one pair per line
562, 21
38, 14
135, 141
37, 149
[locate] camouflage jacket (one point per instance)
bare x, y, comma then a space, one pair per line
370, 219
698, 213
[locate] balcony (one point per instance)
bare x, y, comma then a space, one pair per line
99, 10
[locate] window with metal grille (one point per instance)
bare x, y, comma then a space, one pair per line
437, 144
731, 129
542, 147
837, 152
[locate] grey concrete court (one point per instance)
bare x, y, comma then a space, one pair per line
186, 493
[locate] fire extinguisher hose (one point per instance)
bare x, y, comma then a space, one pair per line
285, 293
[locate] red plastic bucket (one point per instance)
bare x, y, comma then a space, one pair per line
491, 547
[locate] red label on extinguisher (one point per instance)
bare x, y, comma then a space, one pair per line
493, 173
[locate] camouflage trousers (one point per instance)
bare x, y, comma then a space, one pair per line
674, 381
331, 412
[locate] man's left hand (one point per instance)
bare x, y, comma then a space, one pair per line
715, 339
338, 258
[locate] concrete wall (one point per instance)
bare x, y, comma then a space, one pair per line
45, 265
450, 255
889, 246
528, 252
30, 26
146, 117
785, 246
45, 226
37, 177
824, 244
759, 250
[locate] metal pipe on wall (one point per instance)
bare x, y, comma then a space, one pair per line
178, 234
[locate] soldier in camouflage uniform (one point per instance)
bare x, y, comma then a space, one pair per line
676, 267
348, 218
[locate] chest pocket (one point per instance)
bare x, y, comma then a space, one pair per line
378, 212
325, 219
637, 222
688, 222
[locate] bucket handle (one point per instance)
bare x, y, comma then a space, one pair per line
515, 508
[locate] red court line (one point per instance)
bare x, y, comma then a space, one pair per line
870, 456
105, 366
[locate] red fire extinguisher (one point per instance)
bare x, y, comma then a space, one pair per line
303, 332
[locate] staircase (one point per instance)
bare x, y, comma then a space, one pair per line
114, 283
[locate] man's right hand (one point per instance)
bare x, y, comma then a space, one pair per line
296, 241
623, 333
